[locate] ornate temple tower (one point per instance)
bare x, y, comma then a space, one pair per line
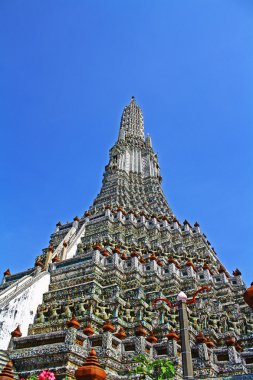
95, 283
132, 177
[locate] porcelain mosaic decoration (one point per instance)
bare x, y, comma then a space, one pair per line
93, 286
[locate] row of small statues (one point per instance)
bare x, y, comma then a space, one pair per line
84, 307
130, 314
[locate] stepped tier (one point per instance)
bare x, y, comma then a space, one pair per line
108, 266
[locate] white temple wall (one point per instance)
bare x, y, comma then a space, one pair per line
21, 310
71, 252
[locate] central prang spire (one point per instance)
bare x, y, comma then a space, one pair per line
132, 177
132, 124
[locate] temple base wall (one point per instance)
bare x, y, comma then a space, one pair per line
22, 307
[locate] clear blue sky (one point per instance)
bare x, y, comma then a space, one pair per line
67, 69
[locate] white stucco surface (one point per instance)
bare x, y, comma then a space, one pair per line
21, 308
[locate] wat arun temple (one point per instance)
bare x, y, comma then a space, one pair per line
95, 283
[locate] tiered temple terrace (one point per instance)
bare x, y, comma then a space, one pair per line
93, 286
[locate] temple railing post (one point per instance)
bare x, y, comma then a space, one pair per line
185, 340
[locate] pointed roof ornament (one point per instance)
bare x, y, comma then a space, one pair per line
248, 296
16, 333
151, 338
132, 122
7, 272
7, 373
56, 259
73, 322
140, 330
172, 335
148, 141
39, 263
108, 326
121, 135
88, 330
121, 334
91, 369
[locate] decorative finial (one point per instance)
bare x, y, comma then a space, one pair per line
91, 369
200, 338
181, 296
7, 272
88, 330
172, 335
132, 122
39, 263
140, 330
148, 140
7, 373
151, 338
16, 333
108, 327
73, 322
121, 334
56, 259
248, 296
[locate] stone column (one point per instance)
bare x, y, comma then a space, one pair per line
172, 348
96, 257
185, 341
134, 262
64, 251
203, 352
140, 344
234, 358
70, 337
107, 342
48, 257
172, 268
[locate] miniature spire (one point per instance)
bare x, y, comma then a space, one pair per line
7, 373
148, 141
132, 123
88, 330
7, 272
121, 134
73, 322
248, 296
16, 333
90, 369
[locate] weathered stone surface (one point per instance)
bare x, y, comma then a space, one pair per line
19, 306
